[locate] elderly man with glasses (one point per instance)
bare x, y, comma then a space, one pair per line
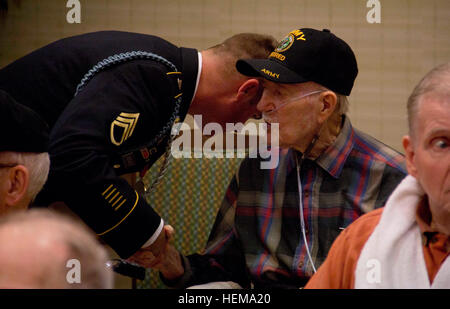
405, 244
24, 161
275, 226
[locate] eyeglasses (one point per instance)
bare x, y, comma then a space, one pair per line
291, 100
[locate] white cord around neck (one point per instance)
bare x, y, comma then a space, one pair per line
302, 220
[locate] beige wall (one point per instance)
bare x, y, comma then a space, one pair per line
414, 36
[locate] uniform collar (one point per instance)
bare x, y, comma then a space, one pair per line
199, 72
190, 70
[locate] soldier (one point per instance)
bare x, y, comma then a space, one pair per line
110, 99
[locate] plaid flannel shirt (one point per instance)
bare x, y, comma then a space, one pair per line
257, 239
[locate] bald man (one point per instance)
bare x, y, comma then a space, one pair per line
41, 249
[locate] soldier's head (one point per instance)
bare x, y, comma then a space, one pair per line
223, 94
24, 160
427, 147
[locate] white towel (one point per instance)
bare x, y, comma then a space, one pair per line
393, 257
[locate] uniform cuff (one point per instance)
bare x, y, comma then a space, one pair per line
155, 235
134, 230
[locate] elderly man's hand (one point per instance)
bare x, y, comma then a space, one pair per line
152, 255
170, 266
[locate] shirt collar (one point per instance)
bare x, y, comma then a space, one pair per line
334, 157
423, 219
423, 216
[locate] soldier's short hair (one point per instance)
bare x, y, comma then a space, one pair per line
242, 46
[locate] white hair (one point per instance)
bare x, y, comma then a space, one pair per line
38, 165
342, 103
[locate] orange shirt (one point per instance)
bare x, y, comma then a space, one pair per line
338, 270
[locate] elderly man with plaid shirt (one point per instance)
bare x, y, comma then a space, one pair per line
276, 226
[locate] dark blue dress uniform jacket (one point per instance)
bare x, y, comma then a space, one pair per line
121, 108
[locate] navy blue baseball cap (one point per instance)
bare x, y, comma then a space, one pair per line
307, 55
21, 129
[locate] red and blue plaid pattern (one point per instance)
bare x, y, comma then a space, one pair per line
257, 236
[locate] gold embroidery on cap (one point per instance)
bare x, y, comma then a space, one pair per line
277, 55
299, 35
285, 44
270, 73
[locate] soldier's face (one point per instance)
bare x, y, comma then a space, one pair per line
232, 107
230, 115
245, 111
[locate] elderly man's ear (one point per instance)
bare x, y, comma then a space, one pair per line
409, 154
328, 102
16, 186
250, 90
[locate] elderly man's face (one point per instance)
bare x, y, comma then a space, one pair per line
293, 107
428, 152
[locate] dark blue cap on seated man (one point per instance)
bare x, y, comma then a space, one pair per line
21, 129
307, 55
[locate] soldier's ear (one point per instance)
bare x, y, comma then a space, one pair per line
17, 186
249, 90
